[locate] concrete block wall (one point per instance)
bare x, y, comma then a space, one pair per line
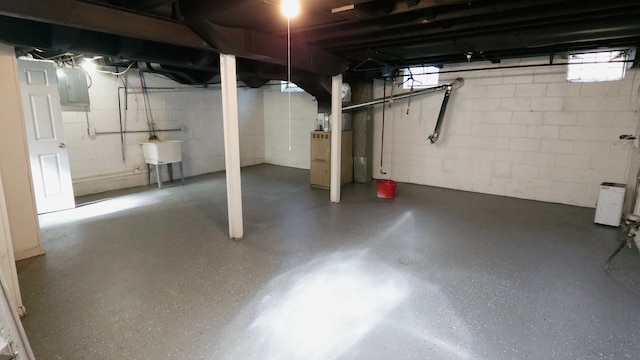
97, 162
525, 133
287, 138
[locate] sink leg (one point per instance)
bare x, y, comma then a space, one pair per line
148, 174
181, 174
159, 175
170, 167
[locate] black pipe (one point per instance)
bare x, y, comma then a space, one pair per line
436, 132
120, 119
519, 67
384, 96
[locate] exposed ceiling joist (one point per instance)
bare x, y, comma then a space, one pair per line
103, 19
253, 45
190, 34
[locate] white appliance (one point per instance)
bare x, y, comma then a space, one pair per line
610, 202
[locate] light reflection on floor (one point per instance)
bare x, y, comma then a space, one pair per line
100, 208
345, 306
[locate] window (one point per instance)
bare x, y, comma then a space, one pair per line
291, 88
597, 66
423, 76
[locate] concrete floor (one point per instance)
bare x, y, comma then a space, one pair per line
432, 274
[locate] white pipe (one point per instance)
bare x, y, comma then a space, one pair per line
107, 176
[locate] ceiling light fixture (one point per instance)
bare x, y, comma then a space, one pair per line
88, 65
290, 8
343, 8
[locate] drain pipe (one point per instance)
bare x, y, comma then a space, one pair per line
384, 96
122, 146
436, 132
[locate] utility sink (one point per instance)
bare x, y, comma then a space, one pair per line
159, 153
162, 152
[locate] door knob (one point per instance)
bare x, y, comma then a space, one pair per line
62, 145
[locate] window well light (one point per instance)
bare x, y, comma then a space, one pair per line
290, 8
597, 66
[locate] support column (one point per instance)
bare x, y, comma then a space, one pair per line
231, 144
336, 136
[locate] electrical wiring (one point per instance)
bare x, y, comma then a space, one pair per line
635, 106
117, 73
90, 79
147, 108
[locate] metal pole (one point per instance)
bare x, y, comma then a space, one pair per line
384, 96
397, 97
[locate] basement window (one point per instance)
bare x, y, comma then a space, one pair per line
597, 66
420, 77
290, 88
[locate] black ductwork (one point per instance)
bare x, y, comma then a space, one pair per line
179, 75
186, 36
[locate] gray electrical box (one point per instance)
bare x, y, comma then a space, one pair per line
73, 88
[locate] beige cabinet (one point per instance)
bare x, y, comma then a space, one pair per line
321, 158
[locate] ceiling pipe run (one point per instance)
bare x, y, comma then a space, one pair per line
447, 88
456, 84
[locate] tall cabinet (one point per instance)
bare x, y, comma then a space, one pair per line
321, 158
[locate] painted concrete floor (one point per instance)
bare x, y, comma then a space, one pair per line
432, 274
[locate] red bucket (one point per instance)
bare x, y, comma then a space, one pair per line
386, 189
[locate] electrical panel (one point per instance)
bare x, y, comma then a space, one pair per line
73, 88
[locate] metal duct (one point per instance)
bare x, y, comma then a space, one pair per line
458, 83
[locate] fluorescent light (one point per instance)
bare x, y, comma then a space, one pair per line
342, 8
290, 8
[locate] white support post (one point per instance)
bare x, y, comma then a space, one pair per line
336, 137
231, 144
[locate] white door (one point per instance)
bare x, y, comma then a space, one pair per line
45, 136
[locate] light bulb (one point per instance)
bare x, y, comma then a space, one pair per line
88, 65
290, 8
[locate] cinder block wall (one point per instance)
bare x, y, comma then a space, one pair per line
525, 133
96, 161
287, 137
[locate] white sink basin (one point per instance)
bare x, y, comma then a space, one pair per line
162, 152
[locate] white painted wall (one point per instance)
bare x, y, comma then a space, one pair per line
96, 161
287, 139
524, 133
634, 162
